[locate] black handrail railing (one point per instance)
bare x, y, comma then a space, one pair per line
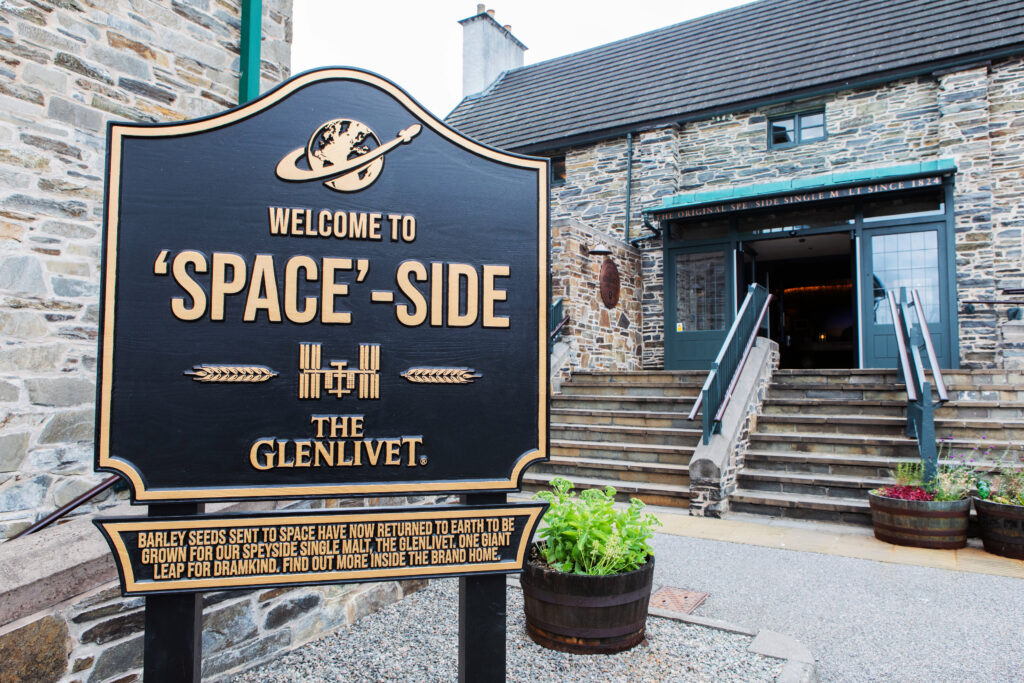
67, 507
556, 321
725, 370
910, 338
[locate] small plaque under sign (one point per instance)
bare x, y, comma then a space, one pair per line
180, 554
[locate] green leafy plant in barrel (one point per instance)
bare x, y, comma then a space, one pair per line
586, 533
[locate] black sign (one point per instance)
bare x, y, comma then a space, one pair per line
799, 198
169, 555
324, 292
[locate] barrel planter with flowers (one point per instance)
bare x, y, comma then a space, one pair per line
588, 581
913, 514
1000, 506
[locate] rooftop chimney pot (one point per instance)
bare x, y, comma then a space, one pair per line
488, 50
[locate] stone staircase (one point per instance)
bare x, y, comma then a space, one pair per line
627, 430
826, 437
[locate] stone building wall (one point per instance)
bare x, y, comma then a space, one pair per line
593, 200
63, 620
973, 115
599, 338
67, 67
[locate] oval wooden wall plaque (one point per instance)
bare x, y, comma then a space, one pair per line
609, 284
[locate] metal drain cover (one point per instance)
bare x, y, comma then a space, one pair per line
677, 600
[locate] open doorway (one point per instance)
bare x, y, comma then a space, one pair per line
813, 314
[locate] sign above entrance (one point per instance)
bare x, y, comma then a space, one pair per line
324, 292
769, 202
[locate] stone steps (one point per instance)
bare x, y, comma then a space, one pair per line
648, 390
958, 429
630, 418
825, 438
675, 495
574, 468
626, 430
640, 452
665, 436
621, 402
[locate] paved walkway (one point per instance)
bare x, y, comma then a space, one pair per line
867, 610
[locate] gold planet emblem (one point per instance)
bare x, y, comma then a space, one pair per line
346, 154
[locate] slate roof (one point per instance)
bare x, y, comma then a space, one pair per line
766, 51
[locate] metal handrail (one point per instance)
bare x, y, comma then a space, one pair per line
901, 347
920, 409
555, 329
67, 507
743, 360
715, 394
933, 359
719, 357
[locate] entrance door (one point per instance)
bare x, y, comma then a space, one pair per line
698, 297
911, 257
811, 316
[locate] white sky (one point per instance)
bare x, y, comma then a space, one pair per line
418, 43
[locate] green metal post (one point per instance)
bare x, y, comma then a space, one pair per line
249, 59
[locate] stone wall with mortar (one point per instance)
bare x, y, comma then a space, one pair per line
594, 195
599, 338
66, 68
64, 620
973, 114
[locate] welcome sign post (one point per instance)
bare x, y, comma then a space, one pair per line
323, 293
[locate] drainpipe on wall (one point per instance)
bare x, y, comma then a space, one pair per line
629, 180
249, 54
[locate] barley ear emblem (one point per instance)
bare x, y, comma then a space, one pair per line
231, 373
441, 375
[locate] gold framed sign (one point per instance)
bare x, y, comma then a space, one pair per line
324, 292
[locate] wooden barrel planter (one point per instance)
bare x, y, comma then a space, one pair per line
1002, 528
586, 614
920, 523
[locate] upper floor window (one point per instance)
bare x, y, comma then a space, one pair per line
795, 129
558, 170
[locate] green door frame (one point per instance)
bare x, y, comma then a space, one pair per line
704, 343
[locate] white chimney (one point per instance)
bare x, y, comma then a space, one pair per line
488, 49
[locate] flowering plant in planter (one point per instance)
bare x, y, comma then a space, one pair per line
1000, 506
1006, 487
921, 514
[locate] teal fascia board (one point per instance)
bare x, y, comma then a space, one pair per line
869, 175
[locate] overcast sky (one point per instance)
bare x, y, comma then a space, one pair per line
418, 43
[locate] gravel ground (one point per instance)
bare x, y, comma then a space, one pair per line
416, 639
862, 620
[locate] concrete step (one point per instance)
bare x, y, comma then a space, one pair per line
631, 418
676, 495
637, 452
801, 506
883, 425
994, 410
620, 402
643, 377
614, 471
667, 436
649, 389
846, 464
889, 446
816, 484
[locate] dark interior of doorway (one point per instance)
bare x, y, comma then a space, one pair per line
813, 313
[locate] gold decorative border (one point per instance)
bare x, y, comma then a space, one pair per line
114, 529
117, 131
